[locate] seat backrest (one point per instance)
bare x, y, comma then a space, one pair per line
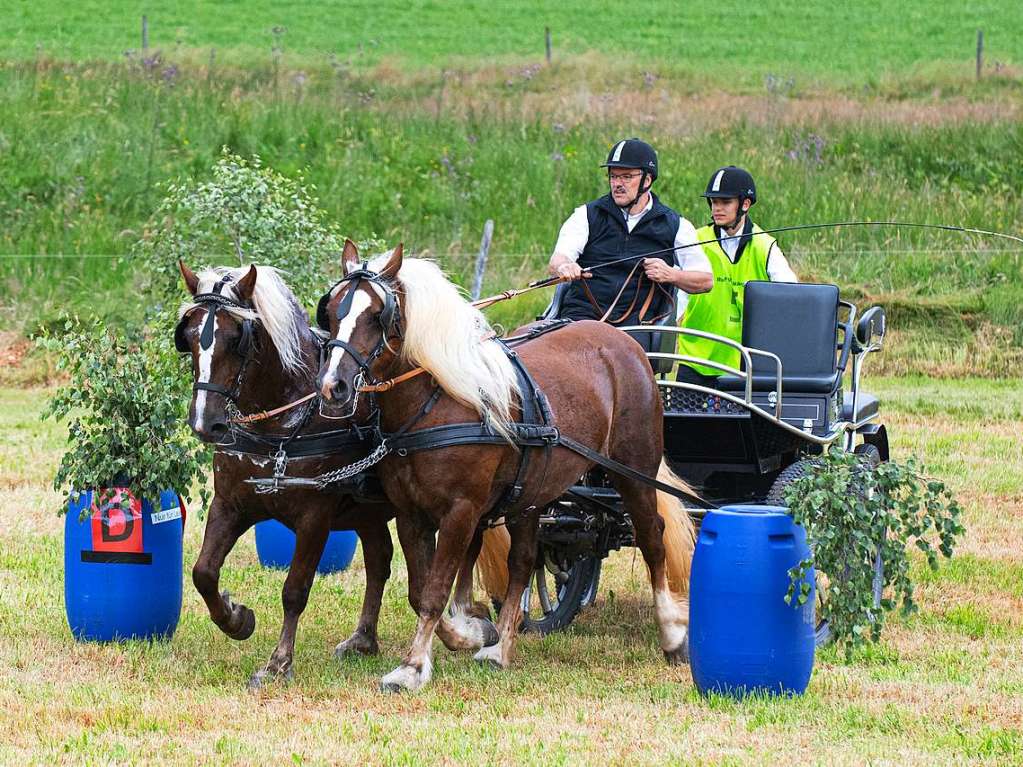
798, 321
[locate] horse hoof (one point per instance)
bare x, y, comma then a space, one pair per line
261, 679
490, 635
679, 656
247, 623
357, 644
405, 679
489, 657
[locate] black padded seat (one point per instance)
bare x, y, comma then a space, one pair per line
798, 321
866, 407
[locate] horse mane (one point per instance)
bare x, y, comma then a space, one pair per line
275, 306
447, 336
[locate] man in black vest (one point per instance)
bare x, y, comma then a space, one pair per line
628, 221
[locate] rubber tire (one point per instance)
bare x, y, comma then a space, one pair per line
577, 592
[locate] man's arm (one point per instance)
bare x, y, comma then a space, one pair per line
692, 272
571, 242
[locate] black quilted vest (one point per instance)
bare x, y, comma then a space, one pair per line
610, 240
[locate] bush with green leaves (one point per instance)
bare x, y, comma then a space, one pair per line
244, 213
852, 513
125, 402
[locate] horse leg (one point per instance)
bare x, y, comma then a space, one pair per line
524, 531
377, 550
469, 626
455, 534
310, 539
223, 528
672, 620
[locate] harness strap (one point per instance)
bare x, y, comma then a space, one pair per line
627, 471
262, 415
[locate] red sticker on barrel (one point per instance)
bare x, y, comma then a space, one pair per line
116, 521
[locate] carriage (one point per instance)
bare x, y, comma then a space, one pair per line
741, 442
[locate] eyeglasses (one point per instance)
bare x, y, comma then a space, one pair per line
623, 178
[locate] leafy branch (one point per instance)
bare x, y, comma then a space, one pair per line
857, 515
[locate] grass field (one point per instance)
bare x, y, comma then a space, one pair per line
943, 687
846, 44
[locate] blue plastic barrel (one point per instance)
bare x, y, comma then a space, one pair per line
122, 572
743, 636
275, 544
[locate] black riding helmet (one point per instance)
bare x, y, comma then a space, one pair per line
731, 181
633, 153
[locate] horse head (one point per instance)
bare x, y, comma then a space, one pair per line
363, 314
238, 320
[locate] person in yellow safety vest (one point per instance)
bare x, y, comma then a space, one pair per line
738, 252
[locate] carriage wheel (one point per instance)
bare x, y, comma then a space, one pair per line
558, 590
870, 455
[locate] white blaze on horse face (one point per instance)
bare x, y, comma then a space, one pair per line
361, 301
205, 369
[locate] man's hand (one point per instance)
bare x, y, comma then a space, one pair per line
659, 271
565, 268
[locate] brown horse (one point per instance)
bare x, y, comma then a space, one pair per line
252, 349
394, 315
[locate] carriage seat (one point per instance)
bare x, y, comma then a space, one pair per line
799, 323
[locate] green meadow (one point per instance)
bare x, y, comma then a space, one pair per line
943, 687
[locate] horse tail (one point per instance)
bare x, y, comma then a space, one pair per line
492, 563
679, 533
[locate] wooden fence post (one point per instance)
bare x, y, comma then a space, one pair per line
145, 35
481, 258
980, 52
547, 42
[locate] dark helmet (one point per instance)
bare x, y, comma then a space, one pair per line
633, 153
731, 182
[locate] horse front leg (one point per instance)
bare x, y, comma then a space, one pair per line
310, 539
223, 528
523, 529
453, 539
377, 551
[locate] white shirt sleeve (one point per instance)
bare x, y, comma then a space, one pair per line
574, 234
689, 257
778, 268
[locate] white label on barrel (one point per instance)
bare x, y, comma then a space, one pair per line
166, 515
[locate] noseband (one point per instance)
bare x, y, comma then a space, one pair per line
390, 319
214, 301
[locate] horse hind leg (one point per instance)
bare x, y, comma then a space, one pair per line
377, 550
468, 626
223, 528
309, 542
671, 609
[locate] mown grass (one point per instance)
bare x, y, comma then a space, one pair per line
856, 43
86, 148
943, 687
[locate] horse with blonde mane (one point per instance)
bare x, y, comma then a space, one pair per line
252, 349
395, 315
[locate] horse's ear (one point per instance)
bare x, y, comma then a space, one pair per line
390, 271
246, 285
191, 281
349, 256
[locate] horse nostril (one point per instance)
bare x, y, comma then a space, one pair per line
218, 428
341, 391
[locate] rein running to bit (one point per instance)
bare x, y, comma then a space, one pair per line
507, 295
